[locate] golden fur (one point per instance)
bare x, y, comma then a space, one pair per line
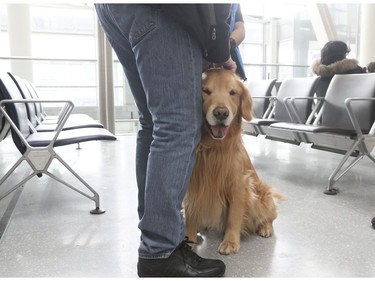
225, 193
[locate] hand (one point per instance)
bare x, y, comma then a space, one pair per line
230, 64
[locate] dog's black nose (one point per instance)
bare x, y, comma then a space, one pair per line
221, 113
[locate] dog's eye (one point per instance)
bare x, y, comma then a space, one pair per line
207, 91
232, 93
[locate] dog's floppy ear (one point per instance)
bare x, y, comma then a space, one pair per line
246, 102
204, 75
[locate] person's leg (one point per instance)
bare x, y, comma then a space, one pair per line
169, 65
171, 76
119, 40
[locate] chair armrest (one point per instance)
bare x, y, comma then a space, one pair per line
264, 97
353, 117
271, 106
11, 123
293, 110
66, 111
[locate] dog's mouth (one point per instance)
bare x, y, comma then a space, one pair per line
218, 131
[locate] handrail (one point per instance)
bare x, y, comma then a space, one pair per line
46, 59
116, 60
276, 64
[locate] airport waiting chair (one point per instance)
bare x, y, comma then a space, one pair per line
345, 123
32, 115
37, 148
261, 91
293, 87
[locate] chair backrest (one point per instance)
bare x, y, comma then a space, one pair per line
260, 88
31, 111
277, 85
296, 87
4, 126
38, 106
334, 112
322, 87
16, 111
3, 123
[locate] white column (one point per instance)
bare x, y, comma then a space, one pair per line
271, 50
110, 88
105, 82
367, 38
19, 32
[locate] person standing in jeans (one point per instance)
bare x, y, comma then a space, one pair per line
161, 48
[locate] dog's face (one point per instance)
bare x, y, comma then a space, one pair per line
225, 99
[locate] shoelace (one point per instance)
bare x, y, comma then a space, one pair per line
196, 259
186, 240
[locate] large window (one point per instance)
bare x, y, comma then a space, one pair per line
64, 47
346, 20
282, 36
277, 39
55, 46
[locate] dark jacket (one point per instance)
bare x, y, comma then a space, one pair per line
326, 72
207, 23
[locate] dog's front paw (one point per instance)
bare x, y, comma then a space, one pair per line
265, 230
192, 236
229, 247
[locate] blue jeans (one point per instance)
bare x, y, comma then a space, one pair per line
163, 65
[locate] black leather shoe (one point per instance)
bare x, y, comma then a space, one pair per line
183, 262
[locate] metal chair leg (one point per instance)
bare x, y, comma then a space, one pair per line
335, 176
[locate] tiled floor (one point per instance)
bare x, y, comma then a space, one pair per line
47, 230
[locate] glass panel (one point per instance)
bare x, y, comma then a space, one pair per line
4, 45
252, 53
65, 73
5, 65
46, 45
254, 32
60, 19
64, 47
345, 18
81, 97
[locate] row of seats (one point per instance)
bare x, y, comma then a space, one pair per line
343, 121
36, 135
274, 106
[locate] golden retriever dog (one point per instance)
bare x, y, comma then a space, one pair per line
225, 193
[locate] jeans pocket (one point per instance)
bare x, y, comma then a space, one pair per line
144, 22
